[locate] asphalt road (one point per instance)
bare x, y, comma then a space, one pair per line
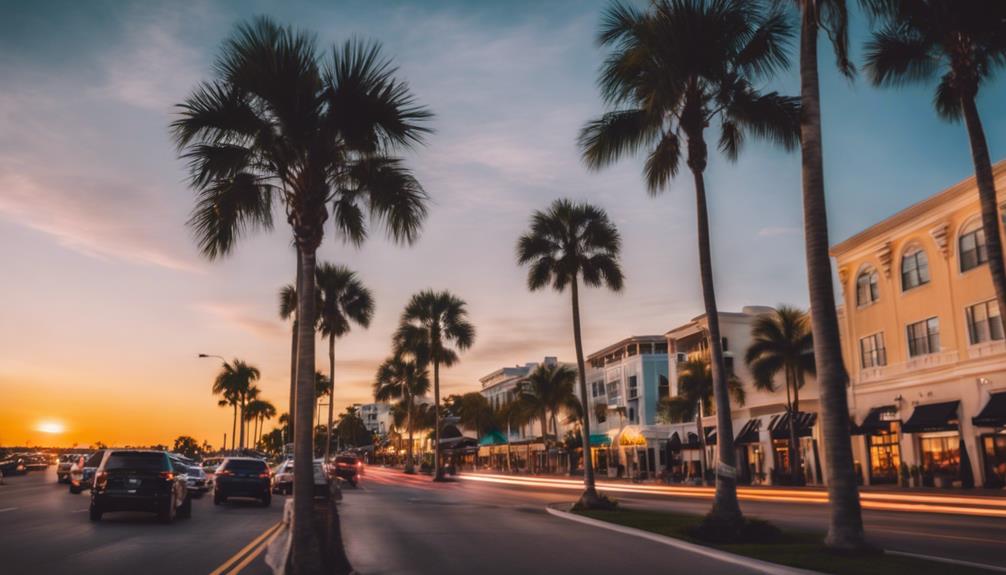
44, 529
406, 524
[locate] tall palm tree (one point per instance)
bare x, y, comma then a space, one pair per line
845, 529
229, 399
318, 131
964, 42
694, 400
344, 301
782, 342
248, 395
434, 327
566, 243
510, 413
675, 69
257, 412
288, 310
398, 378
234, 383
546, 391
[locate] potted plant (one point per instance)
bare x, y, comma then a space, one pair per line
916, 472
904, 475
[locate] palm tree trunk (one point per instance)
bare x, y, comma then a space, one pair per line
303, 540
986, 197
796, 469
409, 462
509, 455
438, 473
589, 497
234, 426
703, 451
293, 352
331, 394
725, 505
845, 529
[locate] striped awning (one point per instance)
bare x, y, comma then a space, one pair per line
804, 421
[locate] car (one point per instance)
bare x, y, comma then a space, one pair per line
282, 479
12, 464
63, 466
242, 477
139, 480
349, 468
209, 466
82, 471
36, 461
195, 480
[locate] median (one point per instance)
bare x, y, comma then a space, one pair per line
785, 551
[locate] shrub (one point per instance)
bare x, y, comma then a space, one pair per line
716, 529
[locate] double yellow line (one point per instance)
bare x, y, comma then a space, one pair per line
249, 552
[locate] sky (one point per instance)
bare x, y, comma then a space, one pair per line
105, 301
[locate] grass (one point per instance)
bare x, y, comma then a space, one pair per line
801, 549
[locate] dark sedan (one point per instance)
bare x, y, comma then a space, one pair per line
139, 480
242, 477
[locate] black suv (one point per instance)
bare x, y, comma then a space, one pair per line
139, 480
242, 477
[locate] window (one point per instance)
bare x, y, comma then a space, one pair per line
660, 348
633, 387
614, 393
924, 337
663, 387
984, 322
914, 269
941, 454
867, 290
872, 352
972, 249
597, 389
632, 415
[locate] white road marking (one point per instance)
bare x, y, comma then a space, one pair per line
7, 509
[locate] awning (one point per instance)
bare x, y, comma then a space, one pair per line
749, 433
779, 426
674, 442
994, 412
693, 442
710, 435
933, 417
878, 420
599, 440
493, 438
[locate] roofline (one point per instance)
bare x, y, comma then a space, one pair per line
913, 211
631, 339
695, 321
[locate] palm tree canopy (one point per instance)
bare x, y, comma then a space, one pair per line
474, 412
259, 408
344, 300
322, 384
235, 380
962, 41
780, 340
283, 120
695, 384
568, 240
833, 17
549, 388
680, 66
287, 301
398, 378
434, 327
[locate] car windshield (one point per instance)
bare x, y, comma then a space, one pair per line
94, 460
246, 465
138, 461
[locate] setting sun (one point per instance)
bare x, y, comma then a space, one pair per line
49, 426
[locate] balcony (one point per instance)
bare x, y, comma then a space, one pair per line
927, 361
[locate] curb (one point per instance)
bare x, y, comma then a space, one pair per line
948, 560
725, 557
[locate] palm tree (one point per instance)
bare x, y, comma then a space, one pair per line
288, 310
398, 378
474, 411
545, 391
344, 301
675, 69
964, 43
258, 411
694, 400
567, 242
280, 122
322, 389
229, 399
234, 383
782, 342
249, 395
510, 413
434, 327
845, 529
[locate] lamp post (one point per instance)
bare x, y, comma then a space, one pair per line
224, 362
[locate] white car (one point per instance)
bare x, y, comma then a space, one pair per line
282, 478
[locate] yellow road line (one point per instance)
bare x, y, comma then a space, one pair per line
237, 556
251, 556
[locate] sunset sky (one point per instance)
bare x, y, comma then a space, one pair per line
106, 302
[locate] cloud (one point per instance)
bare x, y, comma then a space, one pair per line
240, 317
776, 231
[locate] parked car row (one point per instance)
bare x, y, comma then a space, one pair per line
21, 463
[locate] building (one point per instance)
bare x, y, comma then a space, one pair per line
923, 343
376, 417
625, 383
760, 425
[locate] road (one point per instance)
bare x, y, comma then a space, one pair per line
406, 524
45, 529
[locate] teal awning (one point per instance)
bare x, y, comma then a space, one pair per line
599, 439
493, 438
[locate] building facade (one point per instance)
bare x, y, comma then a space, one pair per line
924, 345
376, 417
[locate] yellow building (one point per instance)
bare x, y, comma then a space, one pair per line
923, 342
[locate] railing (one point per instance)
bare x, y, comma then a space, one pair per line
929, 360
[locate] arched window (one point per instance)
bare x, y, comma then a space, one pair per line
971, 246
867, 290
914, 269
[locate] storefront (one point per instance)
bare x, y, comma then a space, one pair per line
779, 430
882, 430
936, 428
993, 444
751, 457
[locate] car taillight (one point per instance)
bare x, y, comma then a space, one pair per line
167, 475
264, 475
223, 473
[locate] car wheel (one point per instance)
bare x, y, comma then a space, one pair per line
95, 513
218, 499
267, 500
167, 515
185, 511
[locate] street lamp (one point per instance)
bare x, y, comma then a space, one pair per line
205, 355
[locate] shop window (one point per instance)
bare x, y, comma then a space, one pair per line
941, 455
972, 248
872, 351
914, 269
924, 337
994, 448
984, 322
867, 289
885, 458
